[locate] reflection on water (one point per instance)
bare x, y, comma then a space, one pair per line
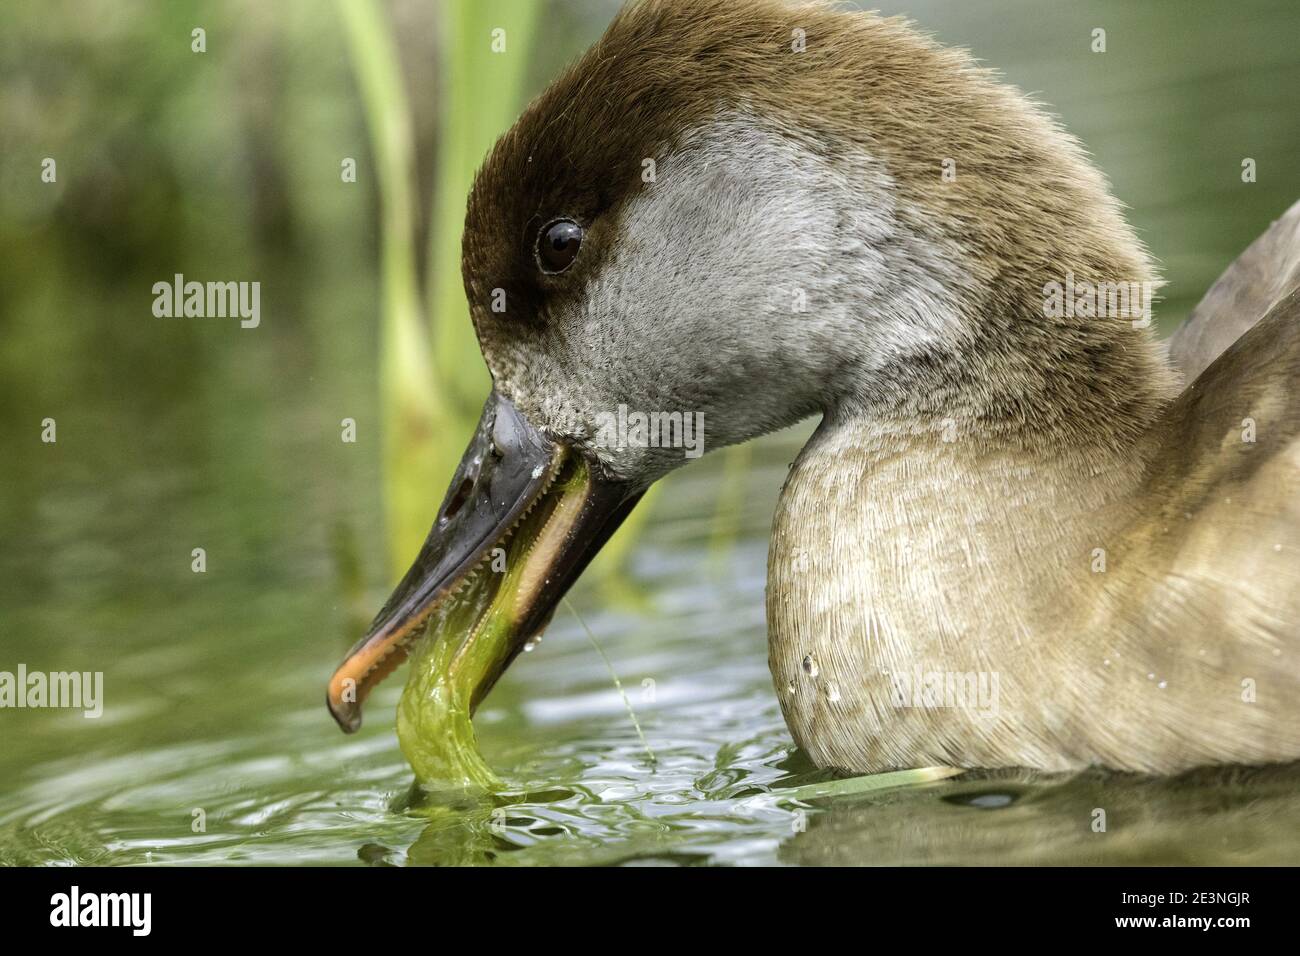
215, 745
1231, 816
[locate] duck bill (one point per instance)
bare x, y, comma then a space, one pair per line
523, 517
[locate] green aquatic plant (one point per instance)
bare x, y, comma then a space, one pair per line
867, 783
618, 684
466, 648
434, 723
466, 639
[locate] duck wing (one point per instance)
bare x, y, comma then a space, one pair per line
1210, 575
1261, 276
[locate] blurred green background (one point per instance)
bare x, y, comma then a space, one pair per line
175, 434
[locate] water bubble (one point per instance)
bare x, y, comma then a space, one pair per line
983, 801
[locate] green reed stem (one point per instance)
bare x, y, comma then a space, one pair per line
412, 410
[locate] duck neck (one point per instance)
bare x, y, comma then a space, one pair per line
932, 495
974, 511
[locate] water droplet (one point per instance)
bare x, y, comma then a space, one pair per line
832, 692
810, 665
1151, 677
1163, 684
983, 801
531, 643
1106, 662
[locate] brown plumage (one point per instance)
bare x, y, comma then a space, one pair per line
997, 492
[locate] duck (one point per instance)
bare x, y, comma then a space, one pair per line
1025, 533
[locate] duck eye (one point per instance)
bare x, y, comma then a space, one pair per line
558, 245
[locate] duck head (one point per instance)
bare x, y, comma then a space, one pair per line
735, 216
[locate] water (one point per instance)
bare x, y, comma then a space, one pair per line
191, 435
